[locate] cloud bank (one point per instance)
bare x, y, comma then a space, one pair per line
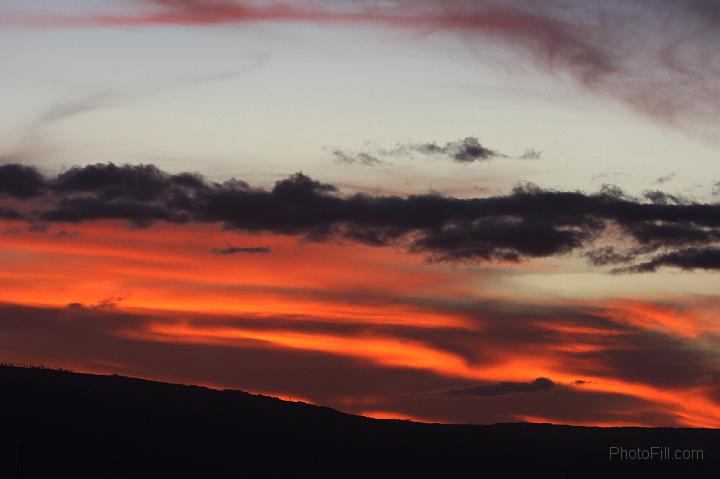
530, 222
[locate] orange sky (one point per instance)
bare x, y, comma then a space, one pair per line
378, 310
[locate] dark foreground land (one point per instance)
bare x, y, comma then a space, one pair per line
61, 424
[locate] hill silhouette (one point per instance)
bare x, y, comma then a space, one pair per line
65, 424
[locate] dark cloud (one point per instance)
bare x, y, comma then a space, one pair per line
608, 255
507, 239
9, 213
20, 181
671, 234
660, 359
466, 150
107, 304
137, 182
229, 250
687, 259
89, 208
530, 222
663, 198
503, 388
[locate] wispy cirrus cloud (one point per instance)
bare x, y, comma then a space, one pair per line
95, 100
657, 56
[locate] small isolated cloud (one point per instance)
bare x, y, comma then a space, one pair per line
504, 387
364, 159
466, 150
531, 154
665, 179
240, 250
608, 175
107, 304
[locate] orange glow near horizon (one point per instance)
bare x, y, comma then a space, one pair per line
694, 409
394, 416
545, 420
379, 307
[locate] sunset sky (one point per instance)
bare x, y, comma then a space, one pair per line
449, 211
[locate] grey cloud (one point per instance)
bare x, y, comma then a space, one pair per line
504, 387
531, 154
665, 179
686, 259
230, 250
365, 159
467, 150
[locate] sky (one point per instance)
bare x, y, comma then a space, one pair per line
448, 211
